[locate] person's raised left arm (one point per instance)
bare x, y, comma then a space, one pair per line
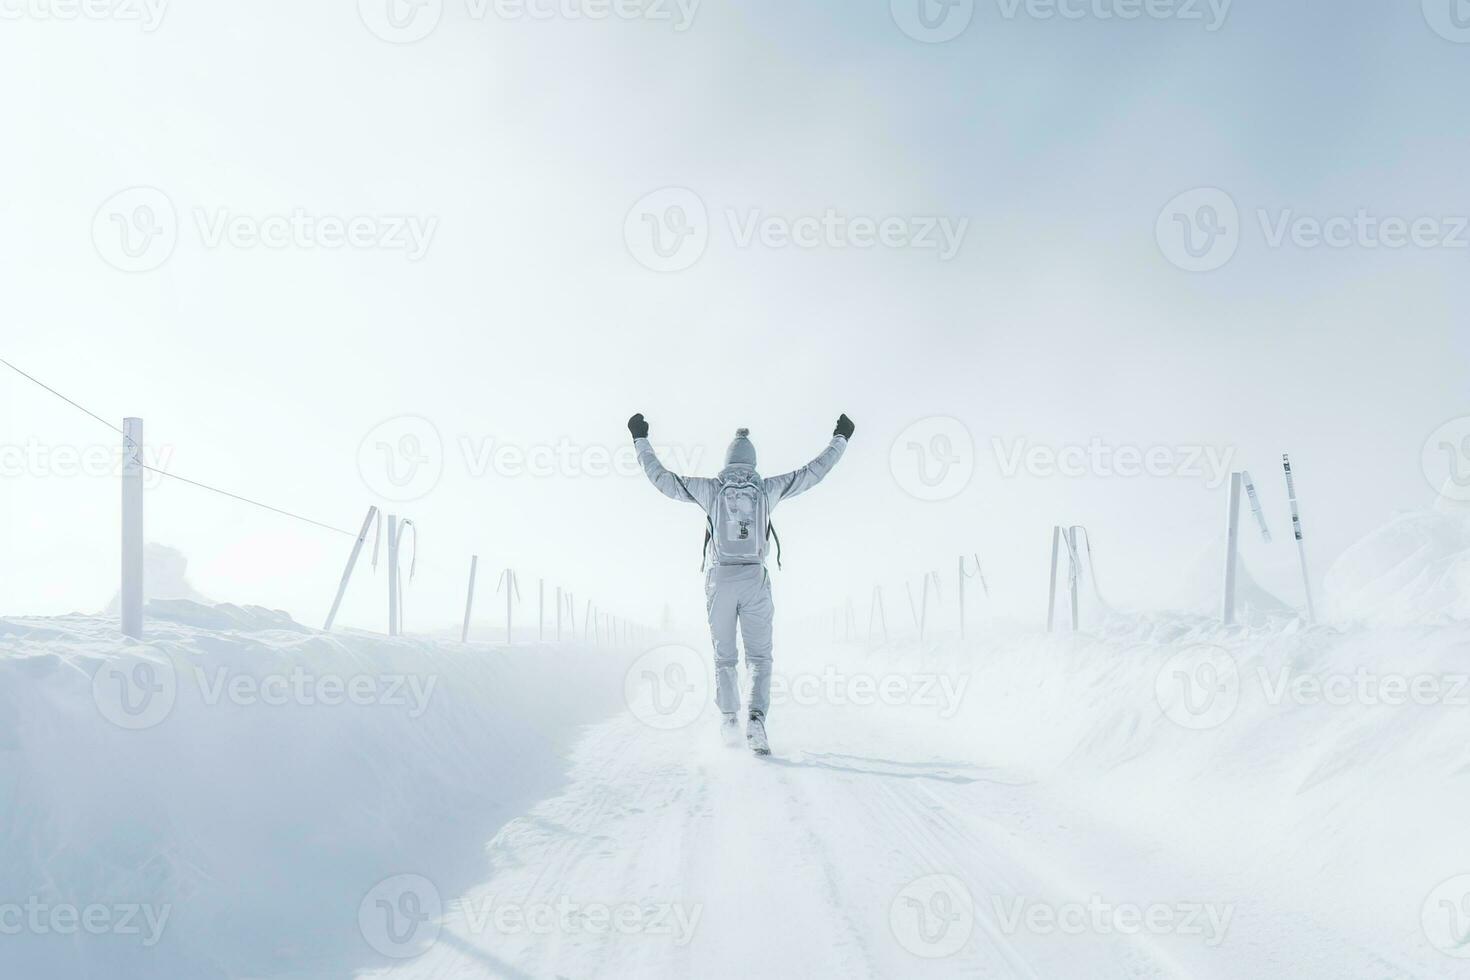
786, 485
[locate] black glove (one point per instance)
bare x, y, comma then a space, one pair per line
844, 427
639, 426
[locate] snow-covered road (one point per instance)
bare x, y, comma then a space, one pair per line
852, 852
1024, 806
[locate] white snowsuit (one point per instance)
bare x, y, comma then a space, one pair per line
740, 593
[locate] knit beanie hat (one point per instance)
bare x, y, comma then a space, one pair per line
741, 451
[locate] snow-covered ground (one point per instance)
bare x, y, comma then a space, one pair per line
246, 781
241, 796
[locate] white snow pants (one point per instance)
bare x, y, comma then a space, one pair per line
740, 594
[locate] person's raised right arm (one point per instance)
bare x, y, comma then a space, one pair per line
700, 490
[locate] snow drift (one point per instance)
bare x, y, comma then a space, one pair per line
248, 780
1326, 767
1415, 569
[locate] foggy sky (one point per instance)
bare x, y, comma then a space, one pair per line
518, 147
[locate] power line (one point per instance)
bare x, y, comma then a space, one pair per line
173, 476
61, 396
245, 500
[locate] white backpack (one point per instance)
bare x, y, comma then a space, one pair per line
740, 524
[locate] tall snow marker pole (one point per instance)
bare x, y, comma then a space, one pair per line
508, 581
392, 574
924, 607
1051, 593
469, 599
1076, 571
130, 594
1232, 542
367, 523
558, 613
960, 595
875, 609
1255, 501
914, 612
1296, 529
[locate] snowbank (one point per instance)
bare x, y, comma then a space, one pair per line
1328, 766
1415, 569
242, 782
239, 782
1200, 585
165, 576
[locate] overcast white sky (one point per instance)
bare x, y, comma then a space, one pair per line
518, 151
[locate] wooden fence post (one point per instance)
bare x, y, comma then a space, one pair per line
367, 523
1232, 542
130, 595
469, 599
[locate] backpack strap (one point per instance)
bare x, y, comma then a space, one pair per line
709, 531
771, 533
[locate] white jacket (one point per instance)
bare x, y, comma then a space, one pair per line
703, 490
